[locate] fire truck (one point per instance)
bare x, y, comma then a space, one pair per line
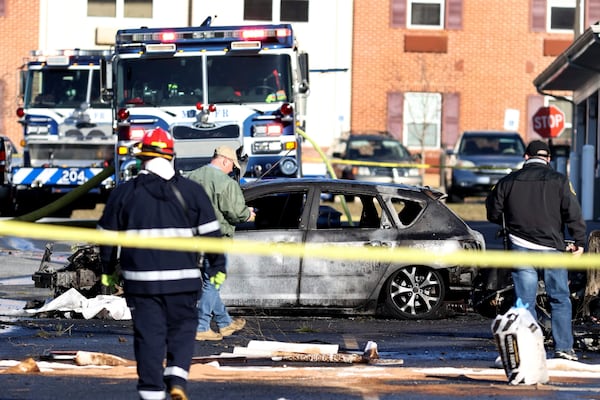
241, 86
68, 135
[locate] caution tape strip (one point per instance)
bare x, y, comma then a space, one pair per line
400, 165
488, 258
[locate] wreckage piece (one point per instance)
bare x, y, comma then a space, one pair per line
300, 352
82, 272
83, 358
263, 347
27, 366
347, 358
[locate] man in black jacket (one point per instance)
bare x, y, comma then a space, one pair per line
537, 203
161, 287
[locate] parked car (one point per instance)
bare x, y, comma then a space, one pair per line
308, 210
479, 160
372, 157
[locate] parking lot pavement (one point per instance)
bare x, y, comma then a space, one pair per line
450, 358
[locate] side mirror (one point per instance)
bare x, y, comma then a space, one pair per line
304, 73
106, 82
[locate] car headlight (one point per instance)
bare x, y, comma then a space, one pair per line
364, 171
465, 164
413, 172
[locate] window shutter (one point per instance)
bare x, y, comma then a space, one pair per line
395, 107
534, 102
592, 13
538, 15
454, 14
398, 13
450, 119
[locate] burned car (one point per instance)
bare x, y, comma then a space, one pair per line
315, 211
381, 215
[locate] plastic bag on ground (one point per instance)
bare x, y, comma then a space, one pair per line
520, 342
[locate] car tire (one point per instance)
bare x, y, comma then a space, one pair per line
453, 197
415, 292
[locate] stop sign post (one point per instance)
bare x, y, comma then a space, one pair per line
549, 122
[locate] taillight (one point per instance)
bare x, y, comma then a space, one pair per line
286, 109
210, 108
20, 112
122, 114
136, 133
268, 130
2, 161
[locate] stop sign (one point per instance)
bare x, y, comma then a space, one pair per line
549, 122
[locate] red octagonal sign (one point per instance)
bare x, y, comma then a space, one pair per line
549, 122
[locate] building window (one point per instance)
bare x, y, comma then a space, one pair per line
426, 14
137, 9
120, 8
2, 7
289, 10
102, 8
259, 10
422, 119
560, 15
294, 10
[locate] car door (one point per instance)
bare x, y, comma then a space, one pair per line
270, 280
357, 224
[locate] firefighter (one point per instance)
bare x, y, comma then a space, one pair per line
161, 287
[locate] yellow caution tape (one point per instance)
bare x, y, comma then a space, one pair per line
488, 258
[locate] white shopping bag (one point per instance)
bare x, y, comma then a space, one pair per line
520, 341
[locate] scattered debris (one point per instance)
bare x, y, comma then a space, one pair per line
111, 307
91, 358
25, 367
281, 351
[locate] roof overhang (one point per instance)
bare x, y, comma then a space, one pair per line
576, 68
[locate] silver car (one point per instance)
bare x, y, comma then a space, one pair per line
382, 215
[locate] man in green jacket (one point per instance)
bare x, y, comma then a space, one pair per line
230, 209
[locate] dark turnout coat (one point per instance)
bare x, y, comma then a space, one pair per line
148, 206
538, 203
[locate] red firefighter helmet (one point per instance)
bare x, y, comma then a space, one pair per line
156, 143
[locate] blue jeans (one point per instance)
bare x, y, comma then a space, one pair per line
211, 306
556, 281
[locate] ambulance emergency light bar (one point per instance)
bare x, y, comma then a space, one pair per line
273, 36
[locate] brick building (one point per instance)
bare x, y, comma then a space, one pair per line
19, 33
428, 79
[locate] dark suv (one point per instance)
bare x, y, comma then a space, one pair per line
479, 160
376, 158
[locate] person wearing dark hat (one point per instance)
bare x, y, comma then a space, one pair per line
161, 287
535, 204
230, 207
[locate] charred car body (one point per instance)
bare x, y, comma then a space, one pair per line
302, 210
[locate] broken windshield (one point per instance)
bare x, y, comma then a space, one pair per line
177, 81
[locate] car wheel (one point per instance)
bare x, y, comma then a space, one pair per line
453, 197
414, 292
